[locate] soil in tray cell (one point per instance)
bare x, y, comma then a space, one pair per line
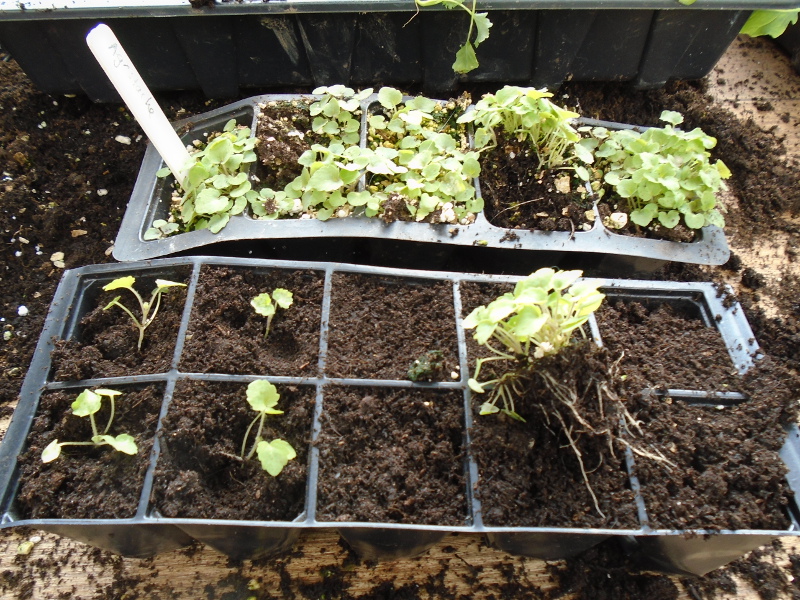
200, 473
284, 133
518, 194
529, 472
667, 344
226, 335
106, 341
87, 482
380, 326
725, 471
391, 455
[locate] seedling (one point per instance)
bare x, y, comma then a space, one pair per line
148, 309
435, 167
536, 320
275, 455
87, 404
527, 115
466, 59
664, 174
216, 183
531, 326
266, 305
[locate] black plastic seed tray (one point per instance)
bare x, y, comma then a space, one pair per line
149, 532
231, 46
479, 246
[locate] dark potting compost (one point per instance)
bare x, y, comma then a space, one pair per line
379, 328
392, 455
226, 335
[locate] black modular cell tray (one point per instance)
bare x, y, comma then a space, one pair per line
230, 46
148, 533
479, 246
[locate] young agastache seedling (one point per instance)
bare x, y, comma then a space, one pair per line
536, 320
275, 455
149, 309
87, 404
266, 305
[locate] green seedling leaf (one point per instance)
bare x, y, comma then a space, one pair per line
87, 403
263, 305
217, 222
210, 201
219, 150
119, 283
389, 97
122, 443
671, 117
475, 386
487, 408
262, 396
51, 452
274, 455
161, 284
282, 297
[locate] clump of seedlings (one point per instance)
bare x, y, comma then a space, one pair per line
522, 126
216, 185
434, 165
148, 309
536, 320
266, 305
663, 174
417, 158
529, 116
262, 396
87, 404
528, 333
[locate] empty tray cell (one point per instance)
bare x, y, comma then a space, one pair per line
724, 470
640, 328
391, 455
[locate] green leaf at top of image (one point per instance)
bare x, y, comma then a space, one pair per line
769, 22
